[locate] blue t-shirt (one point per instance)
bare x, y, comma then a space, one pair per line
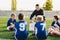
20, 28
41, 30
10, 21
53, 24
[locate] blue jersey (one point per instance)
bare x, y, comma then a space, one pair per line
20, 29
41, 30
10, 21
53, 24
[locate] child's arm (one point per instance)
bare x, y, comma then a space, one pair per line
56, 27
11, 24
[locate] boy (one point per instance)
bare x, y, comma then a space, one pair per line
20, 28
10, 23
40, 30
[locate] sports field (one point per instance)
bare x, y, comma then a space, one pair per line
9, 34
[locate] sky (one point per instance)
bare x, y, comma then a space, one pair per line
27, 4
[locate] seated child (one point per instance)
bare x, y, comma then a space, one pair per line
20, 28
55, 26
10, 23
40, 30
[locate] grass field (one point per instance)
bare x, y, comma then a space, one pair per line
9, 34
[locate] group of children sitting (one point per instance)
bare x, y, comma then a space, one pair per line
19, 27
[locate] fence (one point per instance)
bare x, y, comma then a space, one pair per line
48, 14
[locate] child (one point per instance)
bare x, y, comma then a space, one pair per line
55, 21
10, 23
20, 28
55, 26
40, 30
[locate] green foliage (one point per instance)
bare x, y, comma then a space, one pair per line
48, 5
14, 3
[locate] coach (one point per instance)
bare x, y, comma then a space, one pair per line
36, 12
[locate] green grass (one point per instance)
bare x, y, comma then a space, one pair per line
9, 34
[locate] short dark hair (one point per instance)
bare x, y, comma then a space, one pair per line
12, 15
56, 17
20, 16
37, 4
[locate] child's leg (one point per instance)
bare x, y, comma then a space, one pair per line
49, 30
34, 32
57, 33
8, 27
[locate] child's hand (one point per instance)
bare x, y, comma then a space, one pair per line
11, 23
12, 26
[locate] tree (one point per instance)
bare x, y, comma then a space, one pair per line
14, 5
48, 5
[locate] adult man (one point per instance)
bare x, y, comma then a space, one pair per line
36, 12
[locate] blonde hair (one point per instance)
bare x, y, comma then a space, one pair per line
40, 17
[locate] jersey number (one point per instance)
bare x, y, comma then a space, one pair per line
43, 26
22, 26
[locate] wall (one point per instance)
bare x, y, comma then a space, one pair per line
48, 14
